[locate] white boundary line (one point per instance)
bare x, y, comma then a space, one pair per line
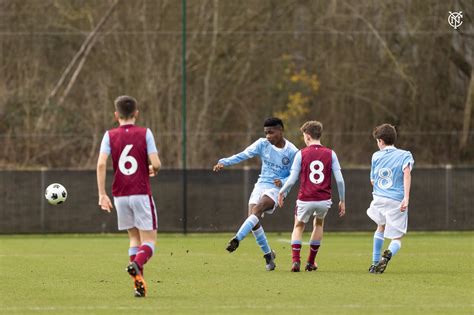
243, 307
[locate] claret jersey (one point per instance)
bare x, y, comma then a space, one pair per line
315, 174
129, 146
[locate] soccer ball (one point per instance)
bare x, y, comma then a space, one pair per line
55, 194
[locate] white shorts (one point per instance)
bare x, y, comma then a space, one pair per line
137, 211
259, 191
385, 211
305, 209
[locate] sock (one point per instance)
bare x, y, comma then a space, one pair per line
295, 251
378, 243
144, 254
246, 227
261, 240
394, 246
132, 252
313, 250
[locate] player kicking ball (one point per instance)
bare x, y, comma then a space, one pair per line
391, 180
313, 165
132, 149
276, 154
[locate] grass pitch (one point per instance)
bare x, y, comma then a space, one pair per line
85, 274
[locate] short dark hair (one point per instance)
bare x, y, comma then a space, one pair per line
273, 122
313, 128
386, 132
126, 106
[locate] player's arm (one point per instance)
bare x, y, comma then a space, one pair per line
341, 188
372, 174
248, 153
294, 173
153, 158
406, 167
155, 164
104, 201
406, 188
105, 150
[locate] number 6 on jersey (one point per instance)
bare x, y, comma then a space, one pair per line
124, 158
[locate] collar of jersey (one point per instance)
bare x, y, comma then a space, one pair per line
280, 149
389, 147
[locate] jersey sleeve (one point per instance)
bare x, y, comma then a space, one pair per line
294, 173
408, 161
253, 150
150, 142
105, 144
335, 166
336, 170
372, 168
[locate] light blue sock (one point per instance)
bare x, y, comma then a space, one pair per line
246, 227
378, 243
261, 240
151, 245
394, 246
132, 251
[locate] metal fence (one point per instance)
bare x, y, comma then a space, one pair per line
441, 199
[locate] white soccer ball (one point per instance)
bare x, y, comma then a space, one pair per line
55, 194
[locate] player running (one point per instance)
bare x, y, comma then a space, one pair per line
313, 165
132, 149
276, 154
391, 179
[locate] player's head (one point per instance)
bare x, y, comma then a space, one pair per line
125, 107
385, 134
312, 130
273, 129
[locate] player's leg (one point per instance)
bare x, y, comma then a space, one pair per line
296, 241
244, 229
135, 242
265, 203
377, 246
147, 247
376, 212
146, 222
249, 223
395, 245
257, 205
388, 254
395, 229
315, 243
126, 221
145, 252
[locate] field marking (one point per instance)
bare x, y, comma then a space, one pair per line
287, 241
173, 307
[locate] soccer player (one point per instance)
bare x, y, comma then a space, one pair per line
276, 154
135, 159
313, 165
391, 180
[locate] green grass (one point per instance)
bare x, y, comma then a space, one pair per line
84, 274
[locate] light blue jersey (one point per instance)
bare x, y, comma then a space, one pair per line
387, 172
276, 162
